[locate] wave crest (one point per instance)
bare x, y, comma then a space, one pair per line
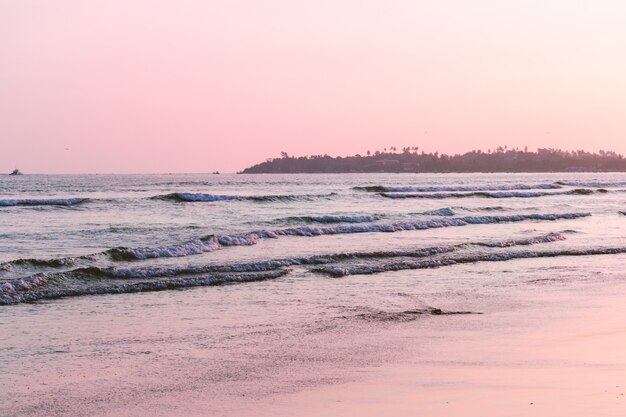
11, 293
96, 280
486, 194
335, 219
201, 197
447, 188
338, 271
43, 202
212, 243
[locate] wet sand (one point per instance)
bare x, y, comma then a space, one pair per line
561, 354
546, 349
544, 361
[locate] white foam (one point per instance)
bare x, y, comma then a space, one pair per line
193, 247
245, 239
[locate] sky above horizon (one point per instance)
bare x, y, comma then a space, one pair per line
197, 86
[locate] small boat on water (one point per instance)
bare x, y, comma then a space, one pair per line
16, 172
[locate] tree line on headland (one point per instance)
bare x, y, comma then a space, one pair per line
410, 159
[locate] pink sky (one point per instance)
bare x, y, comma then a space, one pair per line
197, 86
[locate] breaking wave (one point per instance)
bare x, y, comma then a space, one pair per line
44, 202
212, 243
96, 280
151, 272
53, 263
34, 288
409, 189
199, 197
320, 259
338, 271
216, 242
194, 247
485, 194
594, 184
446, 212
550, 237
334, 219
453, 211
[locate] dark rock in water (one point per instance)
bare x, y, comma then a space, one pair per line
16, 172
623, 213
407, 315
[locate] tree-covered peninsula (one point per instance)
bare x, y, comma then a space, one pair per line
410, 159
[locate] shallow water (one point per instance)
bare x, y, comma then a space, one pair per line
92, 268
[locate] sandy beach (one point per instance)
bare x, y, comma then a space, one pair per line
539, 361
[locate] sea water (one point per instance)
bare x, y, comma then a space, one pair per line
97, 271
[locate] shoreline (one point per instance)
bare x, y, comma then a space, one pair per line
558, 345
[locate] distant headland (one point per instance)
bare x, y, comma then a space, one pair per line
410, 159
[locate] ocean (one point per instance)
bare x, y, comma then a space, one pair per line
102, 272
